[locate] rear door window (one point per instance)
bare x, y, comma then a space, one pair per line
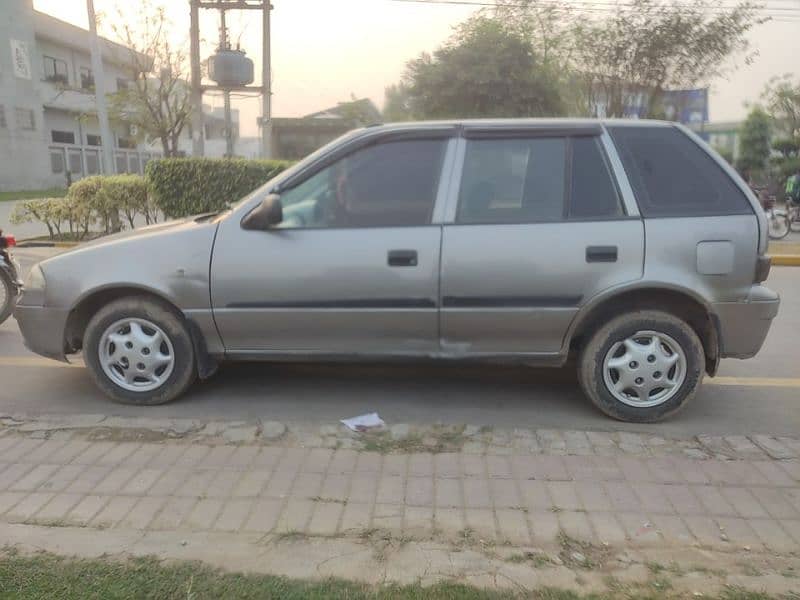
593, 194
513, 181
673, 177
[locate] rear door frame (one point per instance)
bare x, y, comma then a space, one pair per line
449, 210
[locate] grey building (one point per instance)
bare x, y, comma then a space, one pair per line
48, 123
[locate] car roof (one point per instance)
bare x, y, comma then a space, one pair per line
516, 123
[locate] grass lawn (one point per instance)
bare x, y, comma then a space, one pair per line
28, 194
45, 576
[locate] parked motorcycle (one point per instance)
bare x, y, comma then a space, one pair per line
10, 285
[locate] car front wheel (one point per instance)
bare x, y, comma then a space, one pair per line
642, 367
139, 351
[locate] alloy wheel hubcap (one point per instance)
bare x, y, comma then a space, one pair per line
644, 370
136, 355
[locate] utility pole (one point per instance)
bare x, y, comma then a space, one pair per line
226, 93
231, 70
198, 134
107, 141
266, 85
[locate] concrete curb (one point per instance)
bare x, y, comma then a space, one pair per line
43, 244
399, 438
785, 260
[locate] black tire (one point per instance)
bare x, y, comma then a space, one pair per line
778, 226
590, 365
8, 298
172, 324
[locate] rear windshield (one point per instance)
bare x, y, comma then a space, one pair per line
674, 177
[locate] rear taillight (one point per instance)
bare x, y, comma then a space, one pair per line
763, 266
7, 241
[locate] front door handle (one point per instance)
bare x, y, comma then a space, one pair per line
402, 258
601, 254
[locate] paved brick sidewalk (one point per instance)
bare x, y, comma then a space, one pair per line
519, 488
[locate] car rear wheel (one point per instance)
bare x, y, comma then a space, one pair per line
642, 366
139, 351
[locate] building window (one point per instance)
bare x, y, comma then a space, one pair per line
87, 78
55, 70
25, 119
93, 140
3, 123
125, 142
122, 163
62, 137
92, 162
75, 162
122, 84
57, 161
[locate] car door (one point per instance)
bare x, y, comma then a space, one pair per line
352, 269
538, 228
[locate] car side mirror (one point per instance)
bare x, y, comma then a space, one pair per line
266, 215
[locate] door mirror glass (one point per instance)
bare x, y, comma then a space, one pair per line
266, 215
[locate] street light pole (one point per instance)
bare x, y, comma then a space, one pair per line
107, 142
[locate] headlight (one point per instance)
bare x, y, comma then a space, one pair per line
33, 291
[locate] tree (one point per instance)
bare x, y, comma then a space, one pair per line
724, 153
754, 148
486, 69
549, 26
648, 46
157, 101
782, 98
397, 103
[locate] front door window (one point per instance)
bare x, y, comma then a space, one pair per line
389, 185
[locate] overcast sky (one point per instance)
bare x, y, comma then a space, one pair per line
325, 50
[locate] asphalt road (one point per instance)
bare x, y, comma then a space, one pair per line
761, 395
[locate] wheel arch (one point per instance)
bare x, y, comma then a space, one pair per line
93, 300
681, 302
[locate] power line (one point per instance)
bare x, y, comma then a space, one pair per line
594, 6
787, 15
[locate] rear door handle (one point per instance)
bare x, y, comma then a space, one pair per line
601, 254
402, 258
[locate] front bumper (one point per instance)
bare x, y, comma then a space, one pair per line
43, 329
743, 326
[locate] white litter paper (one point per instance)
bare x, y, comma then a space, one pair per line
363, 422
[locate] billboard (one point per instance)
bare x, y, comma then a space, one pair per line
689, 107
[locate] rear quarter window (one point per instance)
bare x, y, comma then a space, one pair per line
674, 177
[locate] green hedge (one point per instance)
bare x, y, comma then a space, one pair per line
97, 203
127, 194
187, 186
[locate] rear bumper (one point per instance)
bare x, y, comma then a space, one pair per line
743, 326
43, 329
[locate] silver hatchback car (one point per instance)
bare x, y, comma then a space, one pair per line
628, 244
